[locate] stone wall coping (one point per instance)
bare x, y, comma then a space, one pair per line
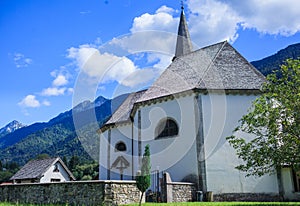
180, 183
75, 182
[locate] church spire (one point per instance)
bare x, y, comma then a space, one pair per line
183, 45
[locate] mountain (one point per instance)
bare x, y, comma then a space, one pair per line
70, 133
272, 63
11, 127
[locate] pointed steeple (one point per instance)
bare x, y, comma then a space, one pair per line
183, 45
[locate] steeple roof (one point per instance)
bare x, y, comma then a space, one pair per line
183, 44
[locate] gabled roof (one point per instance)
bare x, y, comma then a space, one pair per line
122, 114
216, 67
36, 168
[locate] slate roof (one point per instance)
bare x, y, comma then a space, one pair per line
36, 168
122, 114
216, 67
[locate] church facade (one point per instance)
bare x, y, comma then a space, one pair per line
185, 117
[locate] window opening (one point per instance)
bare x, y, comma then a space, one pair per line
166, 128
120, 147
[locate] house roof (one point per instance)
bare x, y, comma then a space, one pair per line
122, 114
216, 67
36, 168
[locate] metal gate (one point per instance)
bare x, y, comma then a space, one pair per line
154, 193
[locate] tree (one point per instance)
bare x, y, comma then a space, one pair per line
274, 122
143, 179
42, 156
74, 161
1, 166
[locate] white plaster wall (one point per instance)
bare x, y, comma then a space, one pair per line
176, 155
221, 114
103, 156
288, 186
49, 174
121, 133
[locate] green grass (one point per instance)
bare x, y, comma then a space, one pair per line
220, 204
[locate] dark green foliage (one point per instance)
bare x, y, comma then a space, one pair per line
8, 170
42, 156
274, 120
74, 161
272, 63
143, 180
87, 171
1, 166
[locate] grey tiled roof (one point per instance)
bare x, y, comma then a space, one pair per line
122, 114
36, 168
216, 67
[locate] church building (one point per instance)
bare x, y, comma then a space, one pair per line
185, 117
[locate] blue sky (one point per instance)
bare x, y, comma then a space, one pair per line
56, 53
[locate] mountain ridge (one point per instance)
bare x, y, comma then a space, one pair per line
272, 63
61, 135
11, 127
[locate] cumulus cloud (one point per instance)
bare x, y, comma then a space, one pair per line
30, 101
104, 67
162, 20
21, 61
211, 21
139, 77
273, 17
46, 103
54, 91
60, 80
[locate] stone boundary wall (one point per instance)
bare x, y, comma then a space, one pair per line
253, 197
182, 191
72, 193
177, 191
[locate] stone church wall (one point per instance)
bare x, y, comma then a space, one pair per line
72, 193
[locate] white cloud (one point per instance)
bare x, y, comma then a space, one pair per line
274, 17
139, 78
46, 103
162, 20
30, 101
53, 91
103, 66
211, 21
21, 61
60, 80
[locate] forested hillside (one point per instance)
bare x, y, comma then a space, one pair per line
271, 63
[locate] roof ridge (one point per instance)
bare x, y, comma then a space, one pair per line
251, 66
55, 159
209, 66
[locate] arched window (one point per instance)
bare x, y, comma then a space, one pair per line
166, 128
120, 147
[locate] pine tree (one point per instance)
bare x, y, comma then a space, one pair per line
143, 180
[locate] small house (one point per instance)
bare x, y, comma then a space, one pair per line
43, 171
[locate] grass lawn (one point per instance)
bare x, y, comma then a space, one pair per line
220, 204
